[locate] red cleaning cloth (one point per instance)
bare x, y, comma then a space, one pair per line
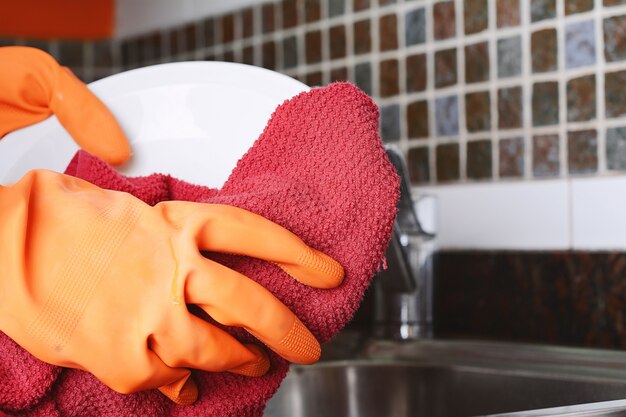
319, 170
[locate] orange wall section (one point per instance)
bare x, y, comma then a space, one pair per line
57, 19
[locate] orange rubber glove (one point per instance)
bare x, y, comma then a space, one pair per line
33, 86
98, 280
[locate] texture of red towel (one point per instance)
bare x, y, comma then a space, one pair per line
320, 170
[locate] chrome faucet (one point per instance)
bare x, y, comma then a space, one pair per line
403, 292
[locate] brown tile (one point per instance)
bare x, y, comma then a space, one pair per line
389, 85
511, 152
290, 52
313, 44
269, 55
248, 55
314, 79
339, 74
478, 111
447, 160
228, 28
358, 5
615, 38
312, 10
445, 68
362, 37
479, 159
581, 98
477, 62
510, 108
388, 31
419, 165
582, 152
209, 32
191, 43
103, 54
507, 13
268, 22
545, 155
544, 50
337, 42
386, 2
290, 13
229, 56
613, 2
578, 6
247, 23
151, 46
545, 103
177, 41
129, 51
614, 96
475, 16
416, 73
445, 20
417, 119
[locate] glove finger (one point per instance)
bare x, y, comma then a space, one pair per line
195, 343
235, 300
88, 120
227, 229
183, 391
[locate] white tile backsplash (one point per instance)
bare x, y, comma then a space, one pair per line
599, 213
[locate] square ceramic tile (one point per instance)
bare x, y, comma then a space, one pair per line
616, 148
509, 56
581, 98
390, 123
580, 44
447, 115
418, 162
478, 111
417, 119
511, 152
582, 151
544, 50
615, 38
447, 163
615, 99
445, 68
545, 154
479, 159
510, 110
545, 102
415, 27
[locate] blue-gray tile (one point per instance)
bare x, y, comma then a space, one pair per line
447, 115
290, 52
363, 77
415, 27
580, 45
542, 9
616, 148
390, 123
546, 155
336, 7
509, 57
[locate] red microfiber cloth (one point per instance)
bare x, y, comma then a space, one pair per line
318, 169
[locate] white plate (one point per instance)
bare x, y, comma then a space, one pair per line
193, 120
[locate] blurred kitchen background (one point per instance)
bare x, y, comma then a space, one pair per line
511, 114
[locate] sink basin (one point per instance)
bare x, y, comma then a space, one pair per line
456, 379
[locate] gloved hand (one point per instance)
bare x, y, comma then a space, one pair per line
33, 86
98, 280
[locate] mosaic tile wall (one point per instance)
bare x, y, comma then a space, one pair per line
471, 90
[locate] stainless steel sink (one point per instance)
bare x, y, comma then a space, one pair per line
432, 378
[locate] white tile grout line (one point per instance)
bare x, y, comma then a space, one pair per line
462, 134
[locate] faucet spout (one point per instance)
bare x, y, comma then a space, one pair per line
403, 292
